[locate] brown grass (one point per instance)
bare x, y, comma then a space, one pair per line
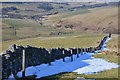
98, 20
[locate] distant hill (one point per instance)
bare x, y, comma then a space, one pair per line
26, 20
99, 20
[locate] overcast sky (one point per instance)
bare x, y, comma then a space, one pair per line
59, 0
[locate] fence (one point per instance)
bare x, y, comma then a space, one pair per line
22, 57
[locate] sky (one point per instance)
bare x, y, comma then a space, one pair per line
59, 0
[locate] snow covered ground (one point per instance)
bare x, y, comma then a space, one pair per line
85, 64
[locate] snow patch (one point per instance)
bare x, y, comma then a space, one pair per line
85, 64
11, 77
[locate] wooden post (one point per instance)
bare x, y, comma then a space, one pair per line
63, 55
71, 55
81, 51
91, 49
14, 46
110, 35
23, 64
85, 50
49, 58
77, 52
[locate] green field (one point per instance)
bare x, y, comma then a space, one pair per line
89, 28
76, 41
111, 56
83, 21
56, 18
65, 41
24, 28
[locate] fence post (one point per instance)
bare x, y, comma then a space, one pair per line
110, 35
71, 55
23, 64
82, 51
77, 52
63, 52
49, 57
14, 46
90, 49
85, 50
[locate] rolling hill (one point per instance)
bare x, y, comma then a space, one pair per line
99, 20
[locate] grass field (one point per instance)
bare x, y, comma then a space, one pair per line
96, 20
76, 41
113, 44
112, 74
66, 42
111, 55
56, 18
20, 23
24, 28
28, 28
83, 20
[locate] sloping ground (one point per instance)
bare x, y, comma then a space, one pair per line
57, 18
110, 55
66, 42
113, 44
85, 64
97, 20
32, 8
25, 28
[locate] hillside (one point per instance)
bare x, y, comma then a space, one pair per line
28, 20
62, 35
99, 20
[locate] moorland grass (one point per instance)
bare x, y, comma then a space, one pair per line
98, 19
113, 73
110, 56
24, 28
55, 42
74, 41
56, 18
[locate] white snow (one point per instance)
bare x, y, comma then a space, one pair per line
85, 64
11, 77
